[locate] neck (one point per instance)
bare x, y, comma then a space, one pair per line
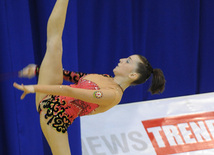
122, 82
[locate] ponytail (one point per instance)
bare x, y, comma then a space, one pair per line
158, 82
145, 71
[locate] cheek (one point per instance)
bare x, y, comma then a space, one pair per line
129, 69
125, 70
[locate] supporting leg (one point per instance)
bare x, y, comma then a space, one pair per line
57, 141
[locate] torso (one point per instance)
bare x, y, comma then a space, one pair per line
94, 82
65, 109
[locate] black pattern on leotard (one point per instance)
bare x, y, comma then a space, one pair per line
72, 76
55, 115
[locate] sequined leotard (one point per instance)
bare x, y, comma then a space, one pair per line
62, 110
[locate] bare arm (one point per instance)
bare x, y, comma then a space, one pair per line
102, 97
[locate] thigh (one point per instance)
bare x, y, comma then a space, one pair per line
51, 71
57, 141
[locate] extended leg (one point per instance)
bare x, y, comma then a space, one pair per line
51, 73
51, 68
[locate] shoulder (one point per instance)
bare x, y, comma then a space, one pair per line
98, 75
117, 93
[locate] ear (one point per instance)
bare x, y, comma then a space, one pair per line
133, 76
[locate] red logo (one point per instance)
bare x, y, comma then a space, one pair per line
180, 134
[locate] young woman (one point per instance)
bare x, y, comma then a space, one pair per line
59, 104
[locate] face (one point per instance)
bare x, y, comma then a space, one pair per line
126, 66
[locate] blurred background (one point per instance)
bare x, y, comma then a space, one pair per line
176, 36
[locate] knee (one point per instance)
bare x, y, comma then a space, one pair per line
54, 44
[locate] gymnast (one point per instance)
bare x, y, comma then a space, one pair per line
58, 105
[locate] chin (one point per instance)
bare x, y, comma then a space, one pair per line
114, 71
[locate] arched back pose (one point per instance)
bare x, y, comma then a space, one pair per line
59, 104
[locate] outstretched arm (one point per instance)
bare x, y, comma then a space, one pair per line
102, 97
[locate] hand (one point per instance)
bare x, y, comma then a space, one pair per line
26, 88
28, 71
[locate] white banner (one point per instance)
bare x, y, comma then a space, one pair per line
181, 126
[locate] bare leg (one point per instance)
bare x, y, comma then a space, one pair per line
51, 73
57, 141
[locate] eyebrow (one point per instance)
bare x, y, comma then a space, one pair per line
130, 58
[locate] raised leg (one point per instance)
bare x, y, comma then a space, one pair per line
51, 72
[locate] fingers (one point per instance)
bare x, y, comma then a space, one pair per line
17, 86
20, 87
25, 88
23, 96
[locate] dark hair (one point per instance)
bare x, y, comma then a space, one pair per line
145, 70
